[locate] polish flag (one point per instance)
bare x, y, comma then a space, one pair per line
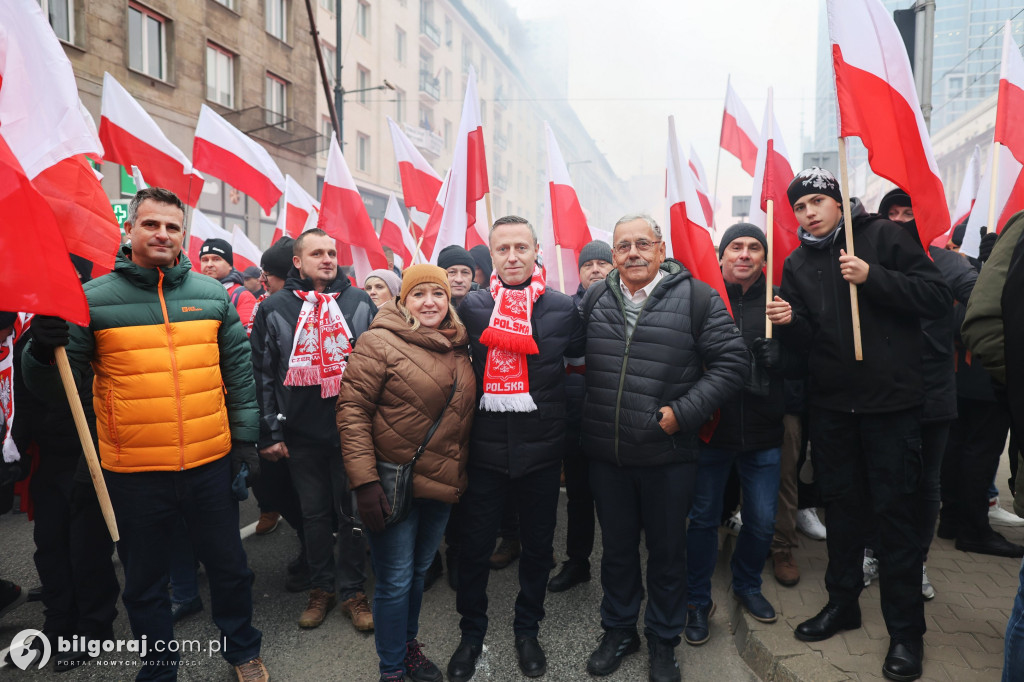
570, 225
395, 234
343, 216
689, 236
739, 134
877, 102
201, 229
771, 179
1009, 197
701, 184
294, 215
420, 182
132, 138
225, 152
432, 227
968, 195
1010, 107
246, 254
466, 182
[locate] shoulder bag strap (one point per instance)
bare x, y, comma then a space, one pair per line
437, 422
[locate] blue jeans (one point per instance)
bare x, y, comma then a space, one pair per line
1013, 646
401, 556
759, 480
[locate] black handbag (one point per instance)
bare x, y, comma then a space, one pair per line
396, 479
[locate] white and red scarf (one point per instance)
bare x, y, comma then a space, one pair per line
509, 339
321, 345
10, 450
252, 316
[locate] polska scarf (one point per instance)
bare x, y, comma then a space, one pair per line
321, 345
10, 450
509, 339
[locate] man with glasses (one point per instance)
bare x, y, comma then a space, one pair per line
662, 355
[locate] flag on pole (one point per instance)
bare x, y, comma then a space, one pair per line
420, 182
296, 211
968, 195
343, 216
246, 254
700, 182
132, 138
1010, 104
1009, 197
201, 229
877, 102
689, 236
225, 152
395, 234
739, 134
568, 222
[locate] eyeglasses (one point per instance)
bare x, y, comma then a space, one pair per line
642, 245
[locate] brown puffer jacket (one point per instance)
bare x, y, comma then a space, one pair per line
394, 386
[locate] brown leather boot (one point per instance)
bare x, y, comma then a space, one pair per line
267, 523
786, 571
507, 552
358, 609
320, 603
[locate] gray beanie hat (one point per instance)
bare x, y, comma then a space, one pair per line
595, 250
741, 230
393, 281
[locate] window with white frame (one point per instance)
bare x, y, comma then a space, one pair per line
276, 100
399, 105
220, 76
363, 152
363, 18
399, 45
449, 32
277, 18
147, 42
61, 14
364, 82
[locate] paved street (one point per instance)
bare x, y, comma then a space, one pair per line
335, 651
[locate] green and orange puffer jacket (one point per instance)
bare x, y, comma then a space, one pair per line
173, 370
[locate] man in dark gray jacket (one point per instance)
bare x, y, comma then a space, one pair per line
662, 355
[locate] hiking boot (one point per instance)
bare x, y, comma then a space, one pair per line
418, 667
252, 671
507, 552
268, 523
358, 609
615, 645
786, 571
320, 603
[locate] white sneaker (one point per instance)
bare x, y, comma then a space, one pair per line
808, 523
927, 591
870, 567
997, 516
733, 524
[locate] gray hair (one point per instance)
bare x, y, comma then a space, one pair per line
639, 216
158, 194
513, 220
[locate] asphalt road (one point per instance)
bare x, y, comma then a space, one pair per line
335, 651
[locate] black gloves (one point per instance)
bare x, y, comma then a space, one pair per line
985, 247
12, 472
47, 333
245, 468
373, 506
768, 353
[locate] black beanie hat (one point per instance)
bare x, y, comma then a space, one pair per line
813, 180
741, 230
595, 250
455, 255
482, 255
277, 260
958, 233
218, 247
7, 319
894, 197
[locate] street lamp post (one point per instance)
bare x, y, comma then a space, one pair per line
340, 92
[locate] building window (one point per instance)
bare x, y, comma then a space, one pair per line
447, 83
328, 5
426, 118
326, 130
330, 61
447, 134
220, 76
483, 68
400, 105
467, 54
230, 4
364, 82
277, 17
449, 32
61, 14
147, 42
276, 101
363, 152
399, 45
363, 18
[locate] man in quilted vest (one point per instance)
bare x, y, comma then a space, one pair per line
176, 421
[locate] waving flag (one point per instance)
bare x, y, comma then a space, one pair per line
567, 219
395, 234
132, 138
1009, 197
700, 183
1010, 107
968, 195
225, 152
420, 182
246, 254
877, 102
294, 215
201, 229
739, 134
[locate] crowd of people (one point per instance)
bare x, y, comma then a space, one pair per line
665, 410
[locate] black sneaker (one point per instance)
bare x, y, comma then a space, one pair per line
418, 667
615, 645
664, 666
11, 597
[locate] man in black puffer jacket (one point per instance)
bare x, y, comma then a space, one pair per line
865, 415
662, 355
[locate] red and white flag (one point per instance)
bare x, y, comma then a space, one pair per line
701, 184
739, 134
295, 214
246, 254
420, 182
689, 236
877, 102
968, 195
201, 229
343, 216
395, 234
772, 176
466, 183
225, 152
1009, 197
132, 138
567, 219
1010, 107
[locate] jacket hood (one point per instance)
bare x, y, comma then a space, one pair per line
233, 277
437, 340
148, 278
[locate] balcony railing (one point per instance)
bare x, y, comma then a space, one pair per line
430, 32
427, 141
430, 86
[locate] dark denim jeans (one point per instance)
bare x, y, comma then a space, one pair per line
183, 569
401, 556
759, 480
150, 506
1013, 646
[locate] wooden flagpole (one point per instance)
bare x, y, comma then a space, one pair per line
991, 226
490, 218
68, 379
844, 173
769, 257
561, 274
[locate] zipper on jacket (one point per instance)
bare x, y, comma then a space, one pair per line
743, 437
174, 369
112, 426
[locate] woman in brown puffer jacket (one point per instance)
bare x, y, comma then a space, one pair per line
397, 382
